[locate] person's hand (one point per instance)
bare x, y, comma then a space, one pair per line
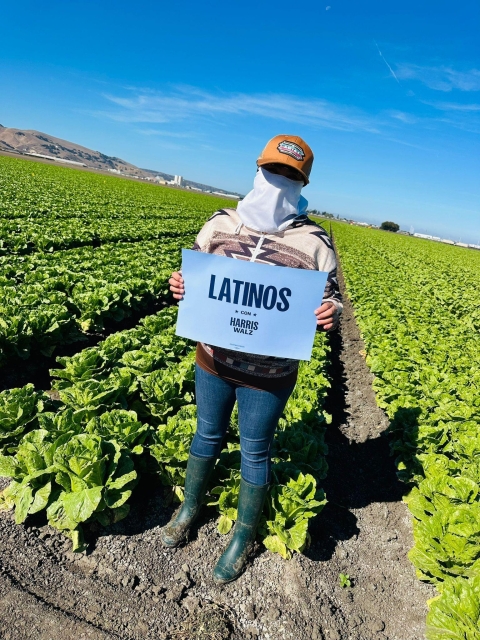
326, 316
176, 285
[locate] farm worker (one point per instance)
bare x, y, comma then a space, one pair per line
269, 226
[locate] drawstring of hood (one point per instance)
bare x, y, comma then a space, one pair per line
258, 246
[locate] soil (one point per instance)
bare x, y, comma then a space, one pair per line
129, 588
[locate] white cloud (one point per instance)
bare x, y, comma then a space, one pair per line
408, 144
185, 108
454, 106
183, 103
471, 126
441, 78
464, 116
169, 134
407, 118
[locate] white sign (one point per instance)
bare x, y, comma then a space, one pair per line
249, 307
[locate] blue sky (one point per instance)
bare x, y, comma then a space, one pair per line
386, 94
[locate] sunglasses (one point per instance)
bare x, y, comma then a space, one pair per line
284, 170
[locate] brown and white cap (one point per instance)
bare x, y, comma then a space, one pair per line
289, 150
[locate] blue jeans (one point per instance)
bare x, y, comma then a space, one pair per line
258, 414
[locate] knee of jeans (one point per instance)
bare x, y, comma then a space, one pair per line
256, 457
205, 447
256, 460
257, 471
210, 430
210, 441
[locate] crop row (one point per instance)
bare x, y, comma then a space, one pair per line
63, 269
47, 208
445, 276
49, 299
126, 408
53, 235
417, 309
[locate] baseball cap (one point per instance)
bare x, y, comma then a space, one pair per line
289, 150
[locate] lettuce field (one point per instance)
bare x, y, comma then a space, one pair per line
78, 249
417, 305
80, 252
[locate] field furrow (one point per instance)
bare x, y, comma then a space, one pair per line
422, 344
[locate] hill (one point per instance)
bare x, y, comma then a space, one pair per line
35, 143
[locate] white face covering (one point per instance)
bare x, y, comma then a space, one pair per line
273, 204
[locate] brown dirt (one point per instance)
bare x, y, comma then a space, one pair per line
129, 588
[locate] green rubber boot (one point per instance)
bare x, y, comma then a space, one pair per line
196, 481
250, 506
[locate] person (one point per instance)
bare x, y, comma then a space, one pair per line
269, 226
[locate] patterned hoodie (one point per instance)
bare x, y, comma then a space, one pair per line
302, 245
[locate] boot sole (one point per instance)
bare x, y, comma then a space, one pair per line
170, 543
235, 577
219, 582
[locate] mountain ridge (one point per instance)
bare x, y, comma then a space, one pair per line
30, 142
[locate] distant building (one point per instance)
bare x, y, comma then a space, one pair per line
423, 236
178, 181
75, 162
41, 155
446, 241
226, 195
159, 180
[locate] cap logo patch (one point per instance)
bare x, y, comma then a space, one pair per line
291, 149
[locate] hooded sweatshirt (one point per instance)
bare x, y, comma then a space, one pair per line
300, 244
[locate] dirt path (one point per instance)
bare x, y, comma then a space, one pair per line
129, 588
